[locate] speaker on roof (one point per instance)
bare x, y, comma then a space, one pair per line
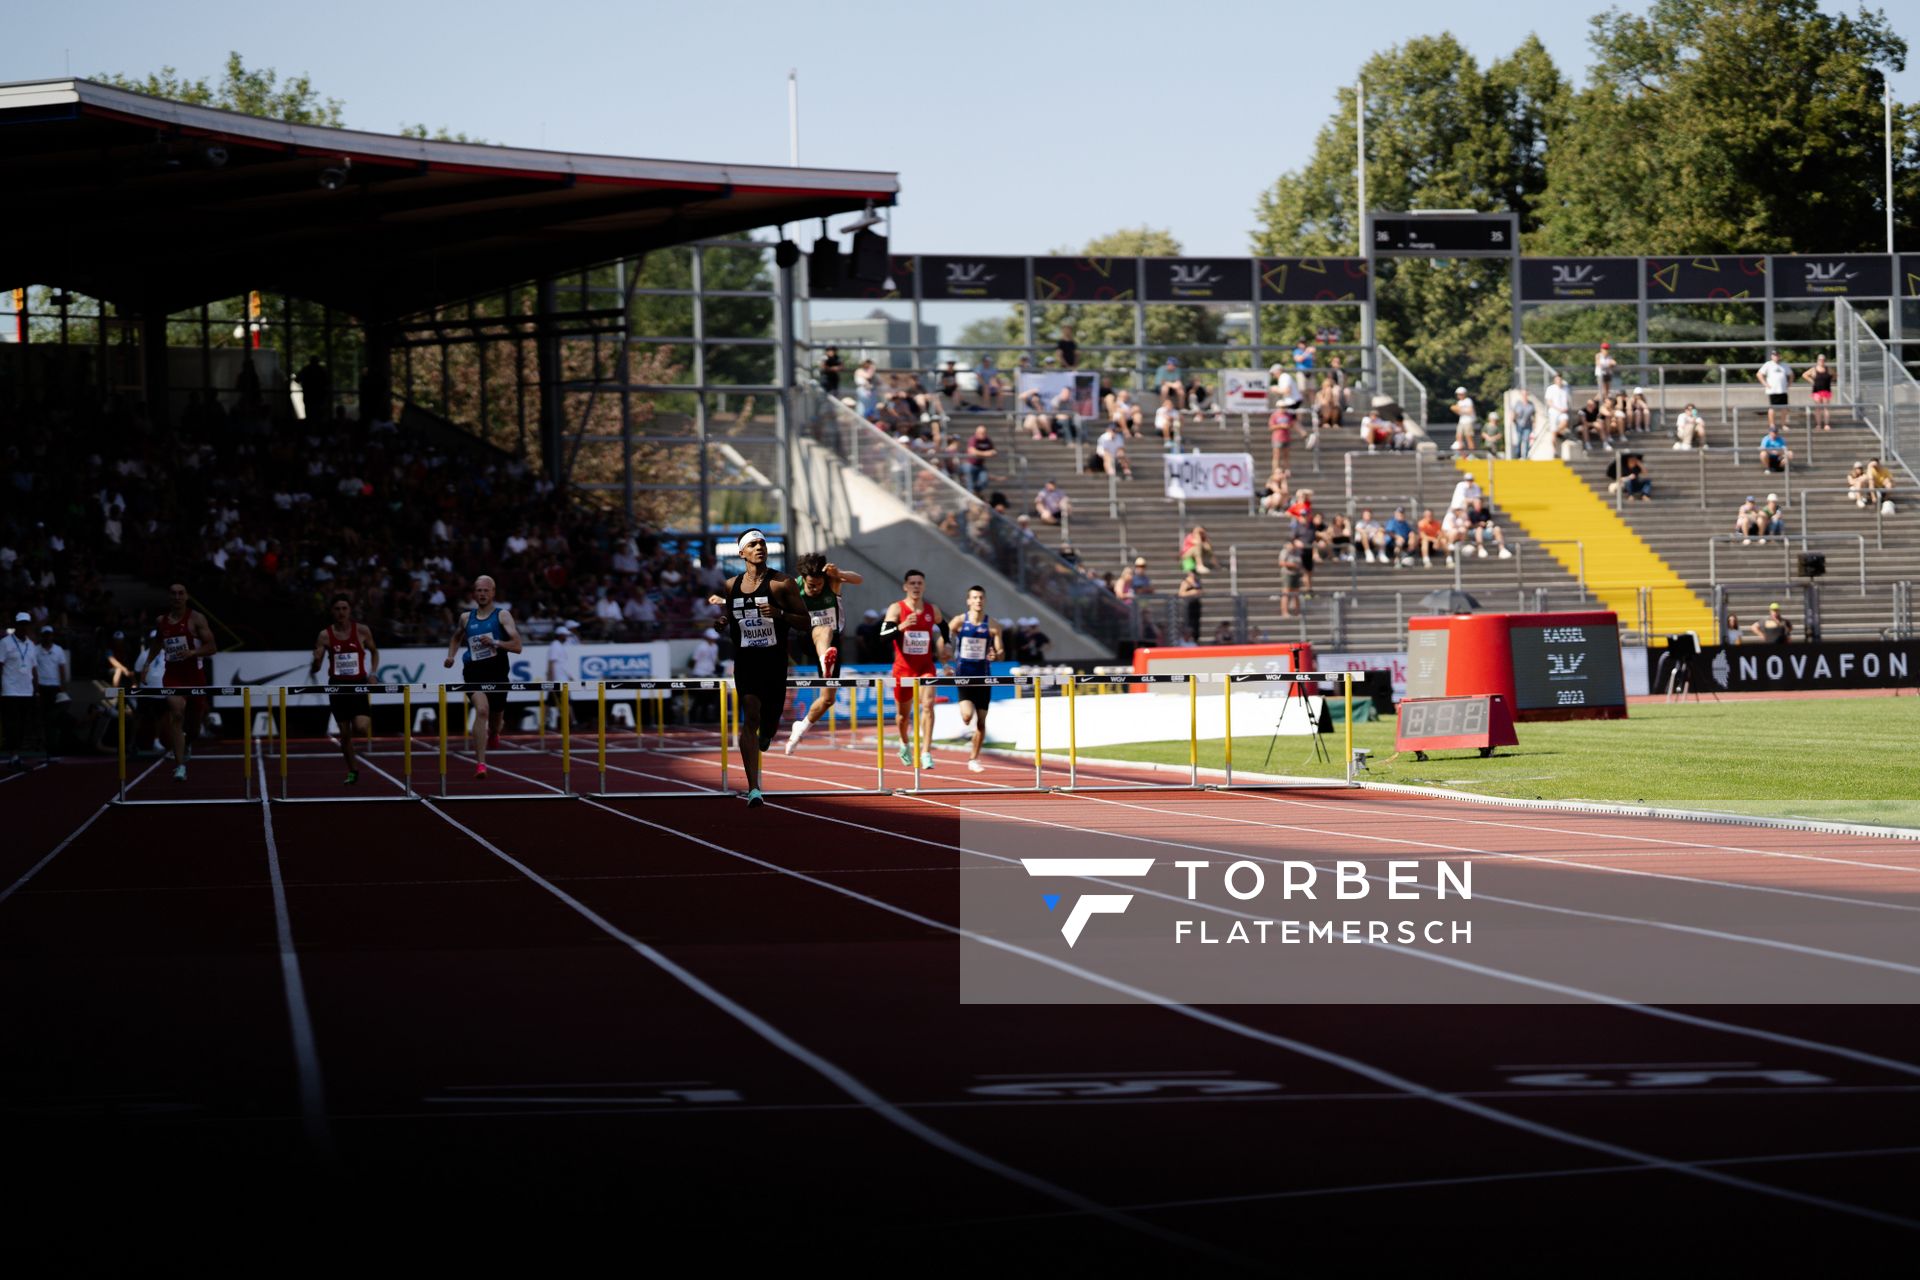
824, 267
786, 254
869, 257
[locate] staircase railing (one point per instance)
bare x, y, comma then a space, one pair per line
1877, 384
962, 518
1397, 381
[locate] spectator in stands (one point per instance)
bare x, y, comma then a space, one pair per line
1592, 423
1329, 404
1691, 429
1191, 593
1465, 491
1171, 384
1199, 396
1731, 631
1038, 422
1613, 417
1223, 633
1376, 431
1858, 487
866, 390
1639, 412
1522, 410
1306, 356
1466, 419
1280, 429
1112, 449
1066, 420
1166, 421
949, 379
991, 388
980, 454
1776, 377
1293, 575
52, 670
1604, 369
1880, 485
1276, 494
1821, 376
1283, 392
1559, 405
1775, 517
1402, 537
1050, 503
1336, 540
1196, 551
1370, 537
1773, 447
1482, 530
1774, 628
1138, 583
1749, 523
1629, 473
830, 368
1068, 349
1456, 530
1430, 537
1126, 414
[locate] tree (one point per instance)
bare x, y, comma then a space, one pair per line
253, 93
1737, 126
1441, 134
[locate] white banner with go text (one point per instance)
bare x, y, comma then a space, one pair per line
1209, 475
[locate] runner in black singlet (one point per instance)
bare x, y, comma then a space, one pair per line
760, 607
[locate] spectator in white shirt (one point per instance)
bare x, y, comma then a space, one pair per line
52, 670
1112, 448
1468, 418
560, 668
607, 612
1464, 493
1691, 429
1604, 367
16, 685
1776, 377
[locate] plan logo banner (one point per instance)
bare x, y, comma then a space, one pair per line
992, 279
1578, 280
1313, 279
1706, 279
1199, 279
1861, 275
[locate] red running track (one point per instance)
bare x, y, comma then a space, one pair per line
679, 1023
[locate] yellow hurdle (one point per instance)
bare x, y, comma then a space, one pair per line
283, 742
566, 742
543, 718
879, 730
1349, 696
1036, 729
913, 740
406, 737
246, 741
1193, 730
724, 713
1229, 697
120, 713
1073, 738
603, 734
441, 723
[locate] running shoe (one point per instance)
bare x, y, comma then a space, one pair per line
479, 771
974, 766
906, 757
755, 799
926, 759
353, 776
180, 773
793, 739
830, 663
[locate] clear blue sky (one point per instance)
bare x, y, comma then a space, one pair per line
1171, 115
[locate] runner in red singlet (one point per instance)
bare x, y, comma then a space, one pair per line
186, 642
913, 625
351, 657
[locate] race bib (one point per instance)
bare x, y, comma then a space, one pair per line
756, 632
175, 646
827, 617
916, 642
480, 647
346, 663
973, 648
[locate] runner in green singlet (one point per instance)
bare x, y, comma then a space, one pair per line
820, 585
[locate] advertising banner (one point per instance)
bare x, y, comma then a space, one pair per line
1578, 280
994, 279
1085, 279
1199, 280
1777, 668
1312, 279
1198, 476
586, 664
1244, 390
1706, 279
1854, 275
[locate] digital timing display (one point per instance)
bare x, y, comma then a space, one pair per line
1570, 666
1443, 236
1445, 718
1427, 662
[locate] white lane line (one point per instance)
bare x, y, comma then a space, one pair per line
841, 1079
1424, 815
77, 832
1667, 926
306, 1053
1365, 1070
1576, 993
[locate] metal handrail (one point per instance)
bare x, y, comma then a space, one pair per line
1786, 551
1879, 516
1389, 361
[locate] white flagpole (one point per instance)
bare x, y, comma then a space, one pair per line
793, 118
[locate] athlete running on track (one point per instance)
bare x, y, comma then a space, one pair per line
761, 607
348, 650
489, 635
976, 646
913, 625
186, 642
820, 584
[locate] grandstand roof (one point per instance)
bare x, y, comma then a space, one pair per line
144, 201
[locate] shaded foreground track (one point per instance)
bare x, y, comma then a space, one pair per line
680, 1021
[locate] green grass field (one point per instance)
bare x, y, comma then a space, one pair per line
1843, 760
